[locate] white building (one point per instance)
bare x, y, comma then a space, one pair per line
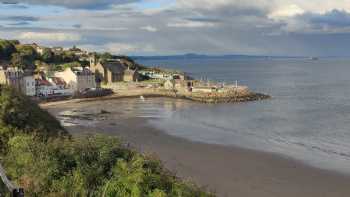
78, 79
18, 79
28, 86
60, 86
44, 88
163, 75
11, 76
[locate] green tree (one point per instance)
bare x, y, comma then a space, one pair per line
20, 113
75, 48
106, 56
6, 49
25, 57
47, 56
18, 61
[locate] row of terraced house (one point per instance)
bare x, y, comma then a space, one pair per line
71, 81
65, 83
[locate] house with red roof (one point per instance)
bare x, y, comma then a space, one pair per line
44, 88
60, 86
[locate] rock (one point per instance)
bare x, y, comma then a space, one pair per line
105, 112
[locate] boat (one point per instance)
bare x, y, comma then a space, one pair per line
142, 98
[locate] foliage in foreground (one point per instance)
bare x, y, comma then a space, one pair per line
20, 115
89, 166
55, 165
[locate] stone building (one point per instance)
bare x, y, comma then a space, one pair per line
18, 79
169, 84
78, 79
179, 85
130, 75
11, 76
112, 71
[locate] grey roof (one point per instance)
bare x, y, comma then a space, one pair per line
81, 71
114, 67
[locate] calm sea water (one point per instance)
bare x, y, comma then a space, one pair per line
308, 118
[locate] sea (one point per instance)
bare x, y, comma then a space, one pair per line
307, 119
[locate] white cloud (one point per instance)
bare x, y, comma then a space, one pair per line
48, 36
77, 4
221, 26
191, 24
120, 48
149, 28
286, 11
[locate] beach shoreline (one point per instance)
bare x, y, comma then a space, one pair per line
227, 170
252, 96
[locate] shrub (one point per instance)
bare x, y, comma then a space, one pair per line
18, 115
89, 166
40, 156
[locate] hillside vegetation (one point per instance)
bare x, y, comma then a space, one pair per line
40, 156
25, 56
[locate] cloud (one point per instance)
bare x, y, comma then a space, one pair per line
45, 36
119, 48
286, 11
78, 26
19, 24
334, 18
75, 4
292, 27
334, 21
20, 18
149, 28
191, 24
204, 19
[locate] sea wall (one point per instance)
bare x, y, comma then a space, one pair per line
226, 97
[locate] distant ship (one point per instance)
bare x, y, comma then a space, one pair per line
314, 58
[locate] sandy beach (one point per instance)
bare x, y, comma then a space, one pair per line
229, 171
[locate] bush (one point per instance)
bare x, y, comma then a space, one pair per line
6, 49
18, 115
42, 158
89, 166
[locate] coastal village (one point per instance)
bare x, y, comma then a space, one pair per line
92, 75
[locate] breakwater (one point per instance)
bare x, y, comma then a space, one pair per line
228, 98
197, 97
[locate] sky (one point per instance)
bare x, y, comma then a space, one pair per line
169, 27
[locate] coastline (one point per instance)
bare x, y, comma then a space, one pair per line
228, 170
165, 94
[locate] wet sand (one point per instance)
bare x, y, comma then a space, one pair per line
229, 171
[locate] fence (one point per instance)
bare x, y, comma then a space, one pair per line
15, 191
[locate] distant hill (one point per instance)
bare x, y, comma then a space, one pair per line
200, 56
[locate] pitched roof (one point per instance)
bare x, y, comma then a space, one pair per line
58, 81
43, 82
114, 67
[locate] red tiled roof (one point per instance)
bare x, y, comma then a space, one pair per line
43, 82
58, 81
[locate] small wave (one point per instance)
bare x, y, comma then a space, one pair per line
317, 148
